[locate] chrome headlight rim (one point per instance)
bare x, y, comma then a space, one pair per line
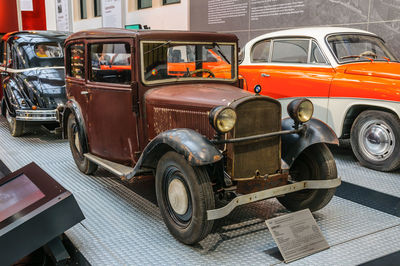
215, 116
295, 108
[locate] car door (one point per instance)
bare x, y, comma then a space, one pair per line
111, 122
288, 68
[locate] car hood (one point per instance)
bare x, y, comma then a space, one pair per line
204, 95
45, 87
376, 69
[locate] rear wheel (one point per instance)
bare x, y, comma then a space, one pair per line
184, 194
16, 127
75, 143
375, 140
314, 163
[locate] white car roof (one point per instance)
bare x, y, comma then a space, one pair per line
313, 32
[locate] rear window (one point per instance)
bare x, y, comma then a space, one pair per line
49, 50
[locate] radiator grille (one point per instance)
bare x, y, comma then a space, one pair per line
255, 115
167, 118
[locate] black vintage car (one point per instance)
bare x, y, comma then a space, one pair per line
32, 79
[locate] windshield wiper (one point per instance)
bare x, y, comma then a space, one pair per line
155, 48
220, 52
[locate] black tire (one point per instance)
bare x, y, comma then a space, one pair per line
16, 127
190, 225
84, 165
314, 163
3, 107
375, 140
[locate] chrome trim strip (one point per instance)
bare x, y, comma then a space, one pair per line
271, 193
36, 115
12, 70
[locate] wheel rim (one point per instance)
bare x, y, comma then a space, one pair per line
177, 196
76, 143
376, 140
9, 118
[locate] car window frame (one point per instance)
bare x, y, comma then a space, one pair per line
88, 62
310, 39
67, 59
354, 33
186, 80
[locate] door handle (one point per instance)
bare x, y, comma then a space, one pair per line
84, 92
264, 75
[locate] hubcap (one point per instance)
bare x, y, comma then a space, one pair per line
376, 140
178, 197
76, 141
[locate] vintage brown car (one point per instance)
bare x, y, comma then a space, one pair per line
198, 133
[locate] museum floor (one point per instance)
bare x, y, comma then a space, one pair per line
123, 224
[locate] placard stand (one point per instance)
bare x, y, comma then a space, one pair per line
297, 235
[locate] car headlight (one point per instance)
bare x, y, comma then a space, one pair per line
222, 118
300, 110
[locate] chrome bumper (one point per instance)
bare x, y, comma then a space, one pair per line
271, 193
37, 115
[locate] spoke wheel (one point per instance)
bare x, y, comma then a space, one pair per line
375, 137
314, 163
76, 146
184, 194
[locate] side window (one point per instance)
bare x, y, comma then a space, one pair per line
110, 62
76, 54
316, 56
290, 51
260, 52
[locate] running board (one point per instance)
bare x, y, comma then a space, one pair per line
118, 169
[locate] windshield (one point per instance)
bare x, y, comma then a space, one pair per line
349, 48
47, 54
169, 61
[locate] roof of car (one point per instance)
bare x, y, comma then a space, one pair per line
102, 33
46, 34
313, 32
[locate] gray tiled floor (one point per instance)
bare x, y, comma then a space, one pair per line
122, 227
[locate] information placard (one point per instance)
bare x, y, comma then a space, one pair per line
297, 235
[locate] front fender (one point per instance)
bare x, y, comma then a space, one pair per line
196, 149
316, 132
14, 96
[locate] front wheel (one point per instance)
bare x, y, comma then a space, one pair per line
16, 127
314, 163
184, 194
375, 140
84, 165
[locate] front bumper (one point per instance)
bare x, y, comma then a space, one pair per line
37, 115
271, 193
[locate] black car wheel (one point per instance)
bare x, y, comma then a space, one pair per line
16, 127
314, 163
375, 140
184, 194
75, 143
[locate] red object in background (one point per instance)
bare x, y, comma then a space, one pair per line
8, 16
36, 19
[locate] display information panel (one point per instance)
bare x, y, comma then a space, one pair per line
17, 194
34, 210
297, 235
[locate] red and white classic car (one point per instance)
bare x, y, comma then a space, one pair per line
350, 76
